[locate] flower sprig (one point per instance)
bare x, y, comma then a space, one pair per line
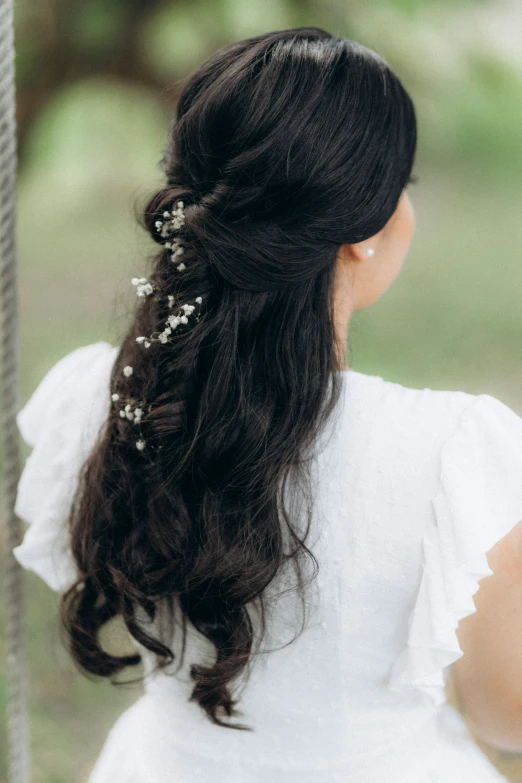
174, 220
165, 227
131, 411
177, 250
172, 322
144, 288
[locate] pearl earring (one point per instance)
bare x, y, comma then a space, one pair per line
370, 251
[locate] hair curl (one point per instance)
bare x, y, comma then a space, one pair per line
284, 146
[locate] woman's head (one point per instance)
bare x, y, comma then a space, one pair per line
286, 147
293, 138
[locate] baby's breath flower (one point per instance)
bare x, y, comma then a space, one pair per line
178, 216
143, 286
115, 396
176, 247
144, 290
177, 221
172, 221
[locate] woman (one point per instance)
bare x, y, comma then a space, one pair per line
291, 543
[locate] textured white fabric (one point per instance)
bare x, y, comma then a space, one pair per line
60, 420
412, 487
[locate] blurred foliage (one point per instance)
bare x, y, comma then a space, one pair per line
465, 80
97, 82
95, 27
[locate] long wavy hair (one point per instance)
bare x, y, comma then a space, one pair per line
284, 146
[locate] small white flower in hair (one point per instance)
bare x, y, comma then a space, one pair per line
178, 216
184, 319
140, 444
181, 267
127, 371
171, 300
176, 247
199, 299
141, 339
115, 396
144, 288
147, 344
123, 414
177, 221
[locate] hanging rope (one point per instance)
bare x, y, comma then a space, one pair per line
17, 713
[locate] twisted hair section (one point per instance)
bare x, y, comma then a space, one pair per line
284, 146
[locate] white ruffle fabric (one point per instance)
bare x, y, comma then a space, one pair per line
61, 420
478, 501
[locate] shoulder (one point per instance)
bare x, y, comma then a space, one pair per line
60, 421
75, 380
424, 419
396, 406
87, 362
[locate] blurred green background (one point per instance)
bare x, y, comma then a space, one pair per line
97, 83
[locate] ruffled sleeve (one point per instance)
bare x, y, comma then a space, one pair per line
61, 421
478, 501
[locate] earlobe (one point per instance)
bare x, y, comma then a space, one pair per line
363, 250
354, 252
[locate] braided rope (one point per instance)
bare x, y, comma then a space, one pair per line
17, 713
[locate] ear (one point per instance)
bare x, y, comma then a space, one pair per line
359, 251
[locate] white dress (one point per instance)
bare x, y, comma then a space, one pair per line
412, 488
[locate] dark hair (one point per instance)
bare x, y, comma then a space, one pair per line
284, 146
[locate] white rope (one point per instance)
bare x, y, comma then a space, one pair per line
17, 712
